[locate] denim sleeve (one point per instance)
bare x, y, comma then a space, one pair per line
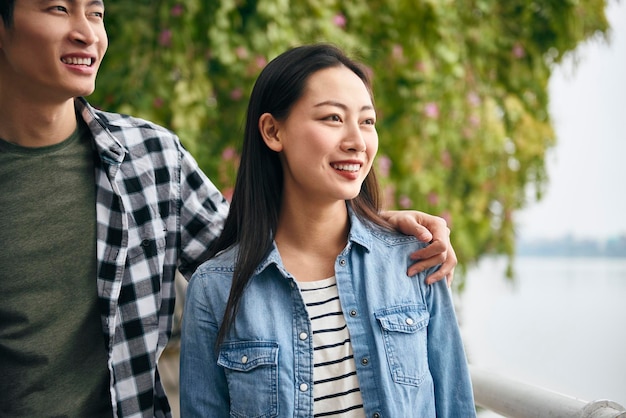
446, 356
203, 388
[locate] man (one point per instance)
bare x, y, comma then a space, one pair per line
78, 261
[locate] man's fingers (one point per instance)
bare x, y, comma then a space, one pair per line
448, 262
422, 234
450, 278
434, 248
427, 263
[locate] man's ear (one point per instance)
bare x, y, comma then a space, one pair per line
268, 126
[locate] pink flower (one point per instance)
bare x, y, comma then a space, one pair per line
177, 10
236, 94
241, 52
433, 199
165, 37
405, 202
261, 61
384, 164
473, 98
397, 52
518, 51
446, 159
229, 153
431, 110
158, 102
340, 20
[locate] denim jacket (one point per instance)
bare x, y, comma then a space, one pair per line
407, 347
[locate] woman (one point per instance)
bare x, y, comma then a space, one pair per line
306, 309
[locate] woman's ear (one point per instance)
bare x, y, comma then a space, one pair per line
268, 126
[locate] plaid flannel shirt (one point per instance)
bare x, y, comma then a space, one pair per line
156, 212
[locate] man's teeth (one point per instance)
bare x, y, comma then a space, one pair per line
346, 167
77, 61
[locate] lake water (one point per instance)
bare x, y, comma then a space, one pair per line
560, 324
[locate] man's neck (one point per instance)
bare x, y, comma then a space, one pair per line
36, 125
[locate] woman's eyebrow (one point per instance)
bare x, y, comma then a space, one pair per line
341, 105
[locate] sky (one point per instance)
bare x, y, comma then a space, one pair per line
586, 192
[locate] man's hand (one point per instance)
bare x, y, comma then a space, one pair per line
427, 228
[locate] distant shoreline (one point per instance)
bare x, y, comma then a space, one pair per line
568, 246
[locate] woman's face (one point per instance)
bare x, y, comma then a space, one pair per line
329, 140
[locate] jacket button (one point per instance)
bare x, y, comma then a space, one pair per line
365, 361
375, 415
244, 359
303, 336
353, 312
342, 262
303, 387
145, 243
409, 321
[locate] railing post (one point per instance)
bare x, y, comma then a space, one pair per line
603, 409
514, 399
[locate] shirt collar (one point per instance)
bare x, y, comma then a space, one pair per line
106, 144
359, 234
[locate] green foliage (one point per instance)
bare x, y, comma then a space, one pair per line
460, 86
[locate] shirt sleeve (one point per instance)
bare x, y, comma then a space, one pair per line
446, 356
203, 211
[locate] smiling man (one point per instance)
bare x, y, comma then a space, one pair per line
98, 211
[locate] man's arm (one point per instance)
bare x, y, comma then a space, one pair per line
426, 228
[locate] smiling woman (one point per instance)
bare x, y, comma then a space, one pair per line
346, 332
326, 146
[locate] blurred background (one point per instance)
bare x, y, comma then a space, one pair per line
507, 118
560, 323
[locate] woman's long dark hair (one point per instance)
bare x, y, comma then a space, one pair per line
255, 206
6, 12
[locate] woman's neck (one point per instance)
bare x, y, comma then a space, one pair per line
309, 238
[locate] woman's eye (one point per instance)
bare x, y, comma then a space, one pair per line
333, 118
369, 122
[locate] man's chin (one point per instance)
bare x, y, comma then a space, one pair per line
84, 92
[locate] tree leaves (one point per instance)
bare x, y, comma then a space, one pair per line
460, 86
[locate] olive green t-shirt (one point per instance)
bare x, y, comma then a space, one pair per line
53, 359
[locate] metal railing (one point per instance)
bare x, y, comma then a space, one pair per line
514, 399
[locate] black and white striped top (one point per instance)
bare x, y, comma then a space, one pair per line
335, 385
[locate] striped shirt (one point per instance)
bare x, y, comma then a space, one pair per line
335, 384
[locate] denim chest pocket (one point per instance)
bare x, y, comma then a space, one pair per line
404, 331
251, 369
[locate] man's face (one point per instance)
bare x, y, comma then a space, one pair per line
53, 49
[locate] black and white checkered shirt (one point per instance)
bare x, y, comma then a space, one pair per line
156, 212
